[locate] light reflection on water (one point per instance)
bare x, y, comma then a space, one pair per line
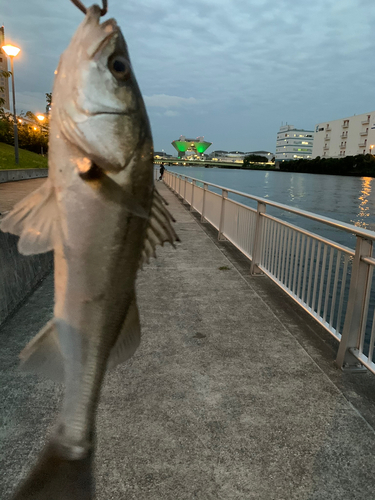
364, 209
347, 199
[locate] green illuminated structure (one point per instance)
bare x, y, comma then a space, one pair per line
198, 145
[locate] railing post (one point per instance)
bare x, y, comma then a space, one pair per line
184, 199
224, 196
179, 186
192, 196
256, 253
354, 312
205, 187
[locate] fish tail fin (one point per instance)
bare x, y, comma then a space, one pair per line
57, 477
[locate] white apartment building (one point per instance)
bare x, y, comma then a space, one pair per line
350, 136
293, 143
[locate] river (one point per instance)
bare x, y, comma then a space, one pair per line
347, 199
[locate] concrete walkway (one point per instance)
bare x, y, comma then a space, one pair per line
12, 192
232, 394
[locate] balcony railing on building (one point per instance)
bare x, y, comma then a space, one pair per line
342, 145
325, 148
327, 138
330, 281
345, 125
344, 135
362, 144
365, 132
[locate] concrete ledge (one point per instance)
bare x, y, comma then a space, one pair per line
19, 274
22, 174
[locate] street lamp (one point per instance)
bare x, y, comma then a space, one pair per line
371, 148
12, 51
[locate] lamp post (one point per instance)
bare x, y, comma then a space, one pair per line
12, 51
371, 149
43, 128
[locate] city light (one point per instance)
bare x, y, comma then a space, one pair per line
10, 50
41, 117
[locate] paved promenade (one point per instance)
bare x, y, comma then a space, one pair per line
233, 393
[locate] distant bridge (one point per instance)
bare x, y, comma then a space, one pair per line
206, 163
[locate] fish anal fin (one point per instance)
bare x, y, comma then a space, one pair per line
35, 219
42, 354
128, 340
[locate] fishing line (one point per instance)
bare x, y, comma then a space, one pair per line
81, 7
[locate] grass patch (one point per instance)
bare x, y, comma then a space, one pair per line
27, 158
224, 268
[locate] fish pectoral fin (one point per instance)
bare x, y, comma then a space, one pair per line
35, 219
128, 340
111, 191
43, 356
160, 229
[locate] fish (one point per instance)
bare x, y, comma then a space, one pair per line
102, 216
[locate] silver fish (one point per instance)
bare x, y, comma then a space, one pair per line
101, 215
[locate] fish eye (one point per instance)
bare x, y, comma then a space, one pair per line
119, 67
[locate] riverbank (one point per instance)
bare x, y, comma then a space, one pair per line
357, 166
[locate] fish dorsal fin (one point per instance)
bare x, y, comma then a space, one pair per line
35, 219
159, 228
129, 338
42, 354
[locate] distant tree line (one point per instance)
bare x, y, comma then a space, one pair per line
359, 165
254, 159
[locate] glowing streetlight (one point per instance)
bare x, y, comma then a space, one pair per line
41, 117
12, 51
372, 146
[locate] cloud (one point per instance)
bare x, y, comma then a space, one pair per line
171, 113
233, 70
169, 101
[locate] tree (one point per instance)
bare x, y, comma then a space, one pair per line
254, 159
31, 134
49, 101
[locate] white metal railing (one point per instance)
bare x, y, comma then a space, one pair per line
332, 282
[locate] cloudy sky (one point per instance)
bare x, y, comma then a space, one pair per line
230, 70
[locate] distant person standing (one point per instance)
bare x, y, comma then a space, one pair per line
162, 168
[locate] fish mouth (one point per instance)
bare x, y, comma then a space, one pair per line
109, 29
120, 113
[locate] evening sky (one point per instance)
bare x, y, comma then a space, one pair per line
230, 70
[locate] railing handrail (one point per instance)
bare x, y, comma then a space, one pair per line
344, 226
